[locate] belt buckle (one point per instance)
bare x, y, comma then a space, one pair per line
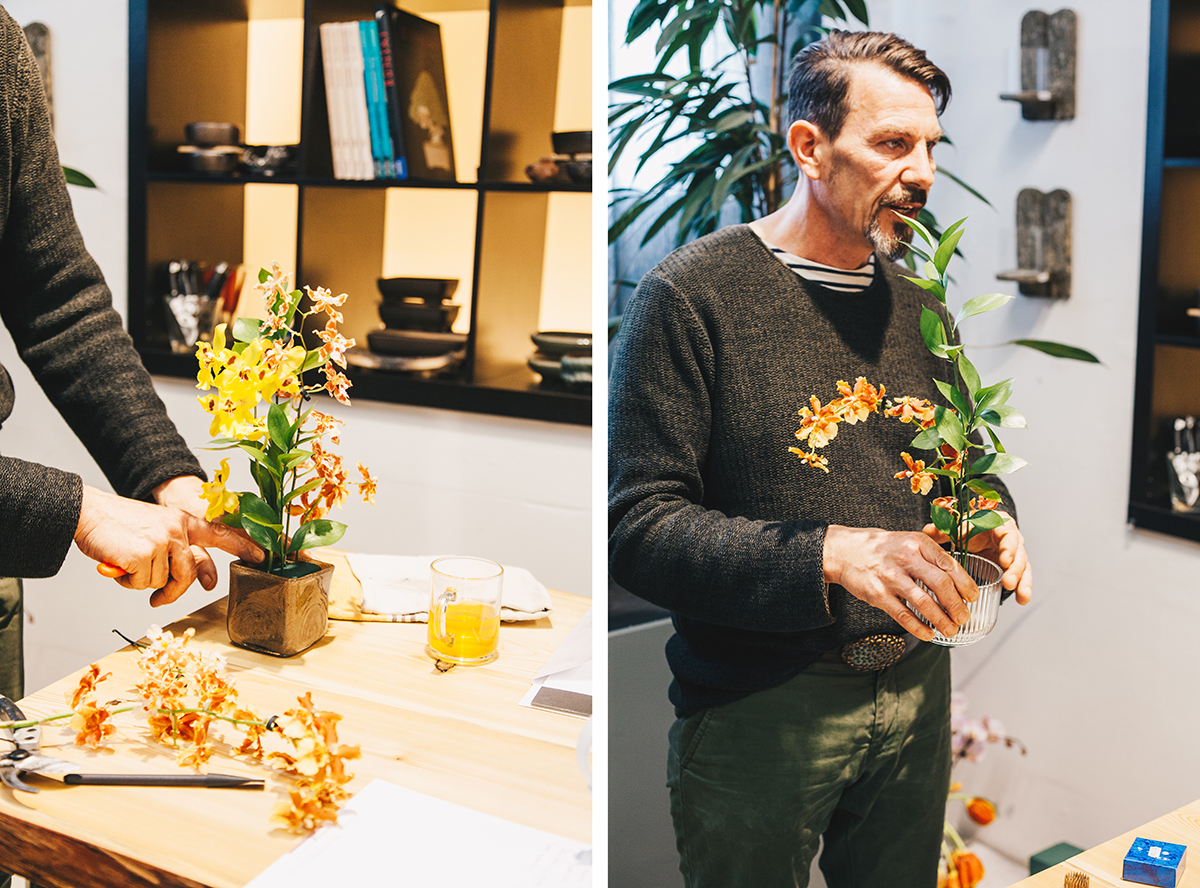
874, 652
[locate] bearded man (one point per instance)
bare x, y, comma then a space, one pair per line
807, 705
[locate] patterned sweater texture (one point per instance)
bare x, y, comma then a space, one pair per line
54, 302
710, 515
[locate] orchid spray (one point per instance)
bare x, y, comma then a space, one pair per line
953, 433
257, 404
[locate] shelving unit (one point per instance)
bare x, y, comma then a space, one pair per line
1168, 361
520, 250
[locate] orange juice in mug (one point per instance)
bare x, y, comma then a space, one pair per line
464, 610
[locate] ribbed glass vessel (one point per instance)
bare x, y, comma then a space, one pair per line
983, 609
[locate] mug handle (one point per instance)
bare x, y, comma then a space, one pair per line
439, 607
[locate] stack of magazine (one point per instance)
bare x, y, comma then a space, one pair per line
385, 87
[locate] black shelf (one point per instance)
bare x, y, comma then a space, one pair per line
175, 214
1165, 520
186, 178
1180, 341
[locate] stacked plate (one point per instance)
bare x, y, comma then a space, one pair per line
563, 359
416, 336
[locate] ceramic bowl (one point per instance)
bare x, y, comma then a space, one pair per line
556, 343
419, 315
579, 142
398, 289
414, 343
212, 133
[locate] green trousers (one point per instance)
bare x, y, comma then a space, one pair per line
12, 661
12, 657
859, 758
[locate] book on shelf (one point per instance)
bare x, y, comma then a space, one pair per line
346, 99
381, 138
391, 96
418, 98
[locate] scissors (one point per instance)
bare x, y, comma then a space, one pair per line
25, 757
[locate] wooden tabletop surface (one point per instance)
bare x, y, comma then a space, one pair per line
1103, 864
459, 735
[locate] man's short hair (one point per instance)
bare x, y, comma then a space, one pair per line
819, 81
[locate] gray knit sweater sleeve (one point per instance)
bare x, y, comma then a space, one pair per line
667, 543
54, 302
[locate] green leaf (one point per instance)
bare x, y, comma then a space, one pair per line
933, 331
943, 519
255, 510
931, 271
1058, 350
996, 464
928, 439
919, 229
983, 489
321, 532
999, 393
266, 460
995, 440
300, 491
75, 177
263, 274
279, 427
1004, 417
959, 182
934, 287
986, 519
246, 329
980, 304
969, 375
947, 245
268, 539
950, 427
232, 519
293, 458
311, 360
954, 396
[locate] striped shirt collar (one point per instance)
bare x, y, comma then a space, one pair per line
841, 280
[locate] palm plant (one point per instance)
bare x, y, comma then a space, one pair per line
727, 113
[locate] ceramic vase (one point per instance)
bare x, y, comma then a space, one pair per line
277, 615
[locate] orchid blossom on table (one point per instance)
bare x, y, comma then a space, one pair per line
256, 395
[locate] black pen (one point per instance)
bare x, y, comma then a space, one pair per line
208, 781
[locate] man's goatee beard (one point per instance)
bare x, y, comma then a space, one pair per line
894, 246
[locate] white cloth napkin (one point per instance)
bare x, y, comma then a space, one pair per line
400, 584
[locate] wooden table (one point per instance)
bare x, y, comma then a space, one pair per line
1103, 863
458, 735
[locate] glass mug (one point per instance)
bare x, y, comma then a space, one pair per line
464, 610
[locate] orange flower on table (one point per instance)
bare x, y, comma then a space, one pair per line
861, 401
92, 725
981, 810
921, 481
87, 684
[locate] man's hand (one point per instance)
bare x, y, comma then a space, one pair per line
1006, 546
153, 544
184, 492
882, 568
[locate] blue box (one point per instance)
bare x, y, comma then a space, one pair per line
1154, 863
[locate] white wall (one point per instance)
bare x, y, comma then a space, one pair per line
1092, 675
514, 490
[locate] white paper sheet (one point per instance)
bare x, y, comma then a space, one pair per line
389, 835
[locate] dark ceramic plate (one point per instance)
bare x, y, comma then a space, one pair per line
435, 318
414, 343
572, 143
426, 289
556, 343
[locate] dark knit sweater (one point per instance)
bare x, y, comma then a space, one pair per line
54, 302
709, 514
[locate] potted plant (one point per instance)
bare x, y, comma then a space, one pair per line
256, 393
953, 432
